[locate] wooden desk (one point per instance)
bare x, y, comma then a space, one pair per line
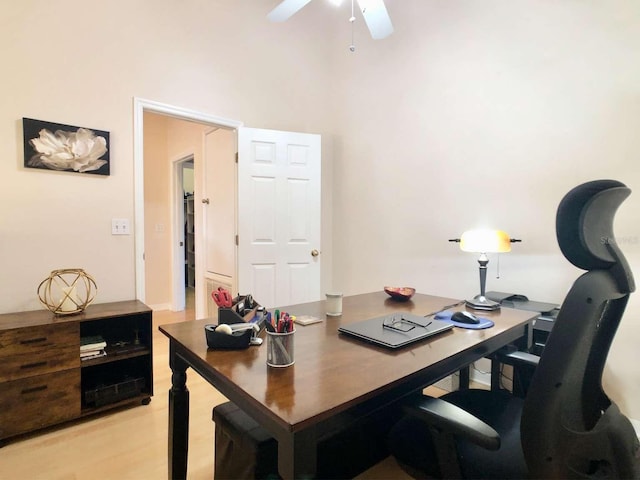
334, 378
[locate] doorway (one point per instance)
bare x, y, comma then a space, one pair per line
184, 228
157, 247
283, 211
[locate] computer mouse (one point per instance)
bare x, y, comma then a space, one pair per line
465, 317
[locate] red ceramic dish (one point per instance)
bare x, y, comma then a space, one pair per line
400, 293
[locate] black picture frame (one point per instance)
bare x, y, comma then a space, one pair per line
66, 148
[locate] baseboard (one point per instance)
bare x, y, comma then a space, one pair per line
452, 382
483, 378
449, 383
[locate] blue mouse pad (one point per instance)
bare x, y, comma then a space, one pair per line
446, 316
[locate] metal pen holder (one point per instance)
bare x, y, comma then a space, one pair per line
280, 349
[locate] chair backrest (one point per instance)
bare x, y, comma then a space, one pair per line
569, 427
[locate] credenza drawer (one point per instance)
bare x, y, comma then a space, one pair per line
39, 401
25, 352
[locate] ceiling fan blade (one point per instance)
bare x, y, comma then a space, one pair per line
376, 17
286, 9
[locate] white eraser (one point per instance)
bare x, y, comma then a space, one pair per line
307, 319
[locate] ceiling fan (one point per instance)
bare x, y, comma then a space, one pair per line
374, 12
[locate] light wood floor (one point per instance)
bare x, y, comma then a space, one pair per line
132, 443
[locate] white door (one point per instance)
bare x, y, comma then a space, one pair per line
220, 184
279, 216
218, 255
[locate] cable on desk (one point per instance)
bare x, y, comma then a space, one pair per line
446, 307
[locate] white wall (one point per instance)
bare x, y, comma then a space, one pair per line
486, 114
157, 212
188, 179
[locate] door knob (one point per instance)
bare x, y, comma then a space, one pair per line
315, 253
205, 200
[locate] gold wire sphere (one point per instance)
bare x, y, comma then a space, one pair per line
67, 291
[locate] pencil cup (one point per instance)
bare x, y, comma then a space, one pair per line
334, 304
280, 349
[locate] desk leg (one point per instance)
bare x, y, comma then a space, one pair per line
178, 418
496, 368
297, 455
464, 379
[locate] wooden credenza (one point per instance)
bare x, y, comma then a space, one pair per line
43, 382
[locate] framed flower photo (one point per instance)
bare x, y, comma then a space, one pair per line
54, 146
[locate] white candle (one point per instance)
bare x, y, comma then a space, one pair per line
68, 300
334, 304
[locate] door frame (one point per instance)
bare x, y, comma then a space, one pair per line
140, 106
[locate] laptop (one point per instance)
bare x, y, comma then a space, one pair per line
395, 330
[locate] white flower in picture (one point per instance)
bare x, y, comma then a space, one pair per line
79, 151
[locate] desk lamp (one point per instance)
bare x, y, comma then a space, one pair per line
483, 242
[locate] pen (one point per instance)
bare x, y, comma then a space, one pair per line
269, 326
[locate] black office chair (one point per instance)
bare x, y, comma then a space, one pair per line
566, 427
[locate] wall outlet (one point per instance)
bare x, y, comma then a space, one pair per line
120, 226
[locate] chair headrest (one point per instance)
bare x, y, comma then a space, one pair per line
584, 225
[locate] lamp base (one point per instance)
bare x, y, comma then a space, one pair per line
480, 302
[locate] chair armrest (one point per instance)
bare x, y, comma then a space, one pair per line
451, 418
519, 358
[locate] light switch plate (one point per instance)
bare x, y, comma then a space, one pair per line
120, 226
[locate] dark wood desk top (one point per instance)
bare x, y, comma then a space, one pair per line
333, 372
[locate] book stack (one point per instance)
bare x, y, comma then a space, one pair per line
92, 347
